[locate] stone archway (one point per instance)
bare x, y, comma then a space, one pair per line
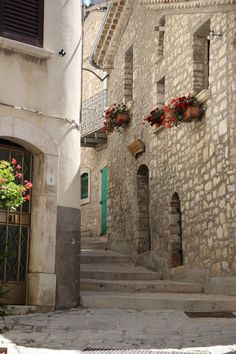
176, 247
143, 241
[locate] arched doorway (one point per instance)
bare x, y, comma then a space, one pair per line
143, 243
176, 248
15, 231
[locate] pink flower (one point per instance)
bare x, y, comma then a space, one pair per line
27, 197
28, 185
19, 175
13, 161
18, 167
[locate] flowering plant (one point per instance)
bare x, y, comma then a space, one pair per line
176, 108
13, 190
156, 117
115, 117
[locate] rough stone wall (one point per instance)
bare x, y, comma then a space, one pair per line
91, 85
94, 160
195, 160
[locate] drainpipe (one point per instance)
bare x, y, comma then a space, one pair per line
91, 58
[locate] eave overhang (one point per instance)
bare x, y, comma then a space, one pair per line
184, 4
110, 34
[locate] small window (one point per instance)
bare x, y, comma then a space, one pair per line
84, 186
22, 20
161, 92
128, 76
160, 38
201, 58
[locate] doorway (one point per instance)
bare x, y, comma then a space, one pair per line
15, 232
176, 246
143, 244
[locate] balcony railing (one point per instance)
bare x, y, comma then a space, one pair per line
92, 119
92, 113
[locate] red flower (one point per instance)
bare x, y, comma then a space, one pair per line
27, 197
13, 161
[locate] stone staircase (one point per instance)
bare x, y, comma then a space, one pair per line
111, 280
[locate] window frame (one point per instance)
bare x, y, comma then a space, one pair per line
87, 199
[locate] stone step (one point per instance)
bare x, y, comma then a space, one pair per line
144, 286
94, 244
131, 274
102, 256
161, 301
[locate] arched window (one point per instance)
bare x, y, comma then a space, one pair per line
84, 179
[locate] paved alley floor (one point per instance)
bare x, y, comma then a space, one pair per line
99, 331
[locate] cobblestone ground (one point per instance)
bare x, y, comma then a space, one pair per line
79, 330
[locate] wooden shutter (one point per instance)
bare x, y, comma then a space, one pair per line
22, 20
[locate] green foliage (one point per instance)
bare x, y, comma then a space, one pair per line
12, 190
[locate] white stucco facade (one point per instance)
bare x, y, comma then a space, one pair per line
40, 93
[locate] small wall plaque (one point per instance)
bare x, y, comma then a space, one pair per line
136, 147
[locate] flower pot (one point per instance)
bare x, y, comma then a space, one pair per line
136, 147
122, 118
191, 113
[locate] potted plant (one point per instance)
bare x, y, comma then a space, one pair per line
155, 118
115, 117
182, 109
13, 190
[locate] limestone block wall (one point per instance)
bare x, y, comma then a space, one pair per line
91, 85
94, 160
91, 158
196, 161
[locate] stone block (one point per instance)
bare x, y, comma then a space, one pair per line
41, 289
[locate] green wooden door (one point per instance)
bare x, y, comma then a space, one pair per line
104, 178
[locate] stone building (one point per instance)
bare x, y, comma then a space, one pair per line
94, 175
40, 50
174, 204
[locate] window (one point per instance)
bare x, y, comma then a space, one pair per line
160, 40
201, 58
84, 179
160, 94
22, 20
128, 76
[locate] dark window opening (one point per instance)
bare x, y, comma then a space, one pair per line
22, 20
84, 185
201, 58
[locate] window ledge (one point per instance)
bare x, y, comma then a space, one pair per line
84, 201
159, 129
203, 96
27, 49
129, 106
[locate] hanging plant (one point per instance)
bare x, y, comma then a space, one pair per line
177, 111
115, 117
13, 190
155, 118
182, 109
